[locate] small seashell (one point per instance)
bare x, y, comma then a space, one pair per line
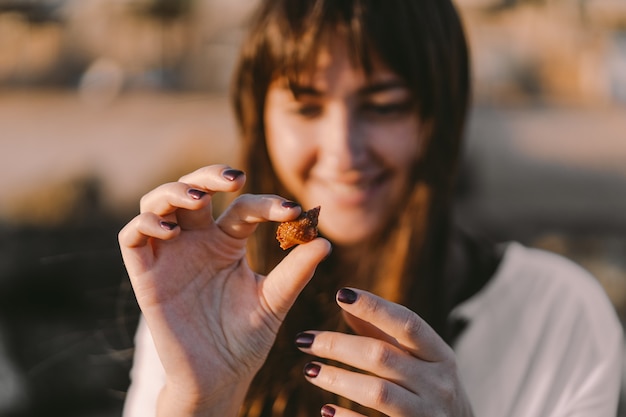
301, 230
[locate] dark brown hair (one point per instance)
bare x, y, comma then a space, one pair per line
423, 42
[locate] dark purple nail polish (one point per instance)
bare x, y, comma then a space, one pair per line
168, 225
195, 193
304, 340
346, 295
232, 174
312, 370
290, 204
328, 411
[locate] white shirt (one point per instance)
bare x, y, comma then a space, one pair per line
543, 340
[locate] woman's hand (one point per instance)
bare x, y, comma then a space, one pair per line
213, 320
408, 370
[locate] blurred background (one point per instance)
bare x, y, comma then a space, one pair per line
101, 100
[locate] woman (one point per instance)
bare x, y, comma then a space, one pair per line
358, 107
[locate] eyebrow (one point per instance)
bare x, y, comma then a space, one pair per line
306, 90
377, 87
373, 88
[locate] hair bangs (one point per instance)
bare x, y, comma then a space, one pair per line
296, 36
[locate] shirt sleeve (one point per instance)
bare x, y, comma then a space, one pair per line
147, 376
591, 360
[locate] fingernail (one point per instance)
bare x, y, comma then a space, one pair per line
196, 194
346, 295
304, 340
290, 204
328, 411
168, 225
312, 370
232, 174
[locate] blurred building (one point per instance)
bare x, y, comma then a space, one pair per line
120, 44
571, 51
559, 50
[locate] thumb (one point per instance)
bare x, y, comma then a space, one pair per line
282, 286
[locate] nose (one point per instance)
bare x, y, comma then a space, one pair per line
343, 142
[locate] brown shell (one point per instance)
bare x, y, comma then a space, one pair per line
301, 230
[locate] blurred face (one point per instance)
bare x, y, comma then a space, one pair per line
344, 141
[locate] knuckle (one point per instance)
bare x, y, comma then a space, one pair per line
240, 206
163, 191
143, 220
413, 325
122, 235
331, 380
139, 223
371, 305
242, 199
446, 385
446, 391
326, 343
143, 200
380, 394
381, 354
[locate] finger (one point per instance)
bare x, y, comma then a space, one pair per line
185, 192
134, 240
241, 218
371, 355
363, 328
399, 322
145, 226
331, 410
191, 196
281, 286
216, 178
367, 390
168, 198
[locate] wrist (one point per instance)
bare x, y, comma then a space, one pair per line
176, 402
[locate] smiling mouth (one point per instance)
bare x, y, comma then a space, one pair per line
355, 192
345, 188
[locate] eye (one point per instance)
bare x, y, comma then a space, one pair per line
387, 110
308, 110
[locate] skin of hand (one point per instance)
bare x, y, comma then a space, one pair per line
407, 369
212, 318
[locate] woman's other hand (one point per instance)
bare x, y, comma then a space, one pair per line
212, 318
407, 369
